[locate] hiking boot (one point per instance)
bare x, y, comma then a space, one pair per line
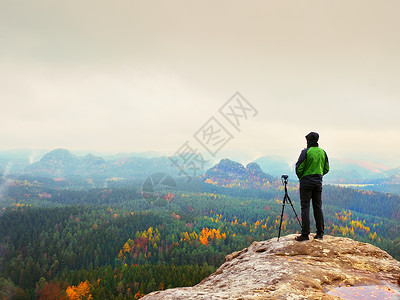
318, 236
301, 238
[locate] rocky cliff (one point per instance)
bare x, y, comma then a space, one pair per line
286, 269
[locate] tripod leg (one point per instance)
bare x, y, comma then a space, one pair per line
280, 224
297, 217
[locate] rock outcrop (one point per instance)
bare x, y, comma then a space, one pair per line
287, 269
228, 172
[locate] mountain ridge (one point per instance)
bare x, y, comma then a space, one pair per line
62, 163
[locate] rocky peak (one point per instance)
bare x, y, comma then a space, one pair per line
287, 269
228, 171
59, 155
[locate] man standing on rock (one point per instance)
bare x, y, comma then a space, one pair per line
311, 166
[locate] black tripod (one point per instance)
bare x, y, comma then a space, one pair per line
286, 199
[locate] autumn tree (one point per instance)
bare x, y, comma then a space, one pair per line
81, 291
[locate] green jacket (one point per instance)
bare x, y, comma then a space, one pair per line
312, 165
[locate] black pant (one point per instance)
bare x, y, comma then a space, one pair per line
306, 194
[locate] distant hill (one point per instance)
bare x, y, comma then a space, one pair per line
393, 173
228, 173
354, 171
62, 163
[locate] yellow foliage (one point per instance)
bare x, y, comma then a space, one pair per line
81, 291
186, 237
126, 247
212, 234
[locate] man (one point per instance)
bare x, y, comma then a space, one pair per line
311, 166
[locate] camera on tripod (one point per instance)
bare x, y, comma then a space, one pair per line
285, 178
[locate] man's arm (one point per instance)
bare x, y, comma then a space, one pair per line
326, 165
300, 165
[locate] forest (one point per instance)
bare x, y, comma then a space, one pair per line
114, 243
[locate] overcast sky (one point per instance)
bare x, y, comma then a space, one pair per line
132, 76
